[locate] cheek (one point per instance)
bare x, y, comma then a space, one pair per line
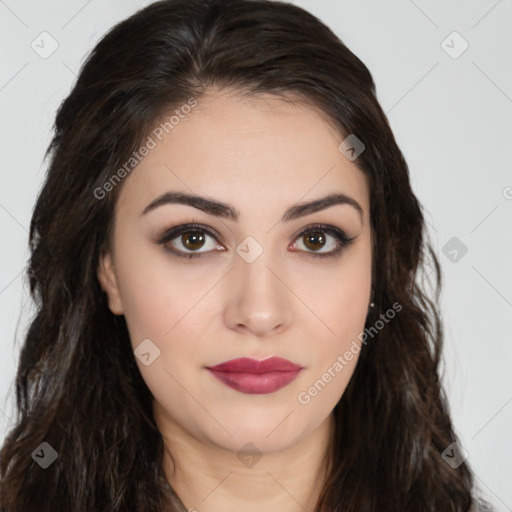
337, 349
165, 306
167, 303
340, 300
159, 295
337, 294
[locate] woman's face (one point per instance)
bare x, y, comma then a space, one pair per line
264, 281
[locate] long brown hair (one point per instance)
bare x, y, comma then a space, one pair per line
86, 398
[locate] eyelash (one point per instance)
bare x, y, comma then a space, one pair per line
343, 240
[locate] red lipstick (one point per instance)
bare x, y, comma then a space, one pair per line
256, 377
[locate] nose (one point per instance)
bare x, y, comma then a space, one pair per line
258, 299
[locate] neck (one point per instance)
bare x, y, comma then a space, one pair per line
208, 478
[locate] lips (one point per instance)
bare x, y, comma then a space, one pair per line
256, 377
246, 365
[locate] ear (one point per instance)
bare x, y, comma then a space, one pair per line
108, 282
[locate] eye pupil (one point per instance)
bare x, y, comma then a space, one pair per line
317, 238
192, 238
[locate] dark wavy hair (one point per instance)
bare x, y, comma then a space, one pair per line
87, 399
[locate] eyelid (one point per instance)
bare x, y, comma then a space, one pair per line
173, 232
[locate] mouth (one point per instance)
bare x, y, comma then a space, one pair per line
252, 377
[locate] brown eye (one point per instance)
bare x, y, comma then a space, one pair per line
193, 240
314, 240
189, 241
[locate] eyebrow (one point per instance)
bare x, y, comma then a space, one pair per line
220, 209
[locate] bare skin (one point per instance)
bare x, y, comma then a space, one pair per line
261, 156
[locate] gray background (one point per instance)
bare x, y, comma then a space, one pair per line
450, 112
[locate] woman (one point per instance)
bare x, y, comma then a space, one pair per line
225, 257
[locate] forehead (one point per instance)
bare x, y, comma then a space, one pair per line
252, 152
